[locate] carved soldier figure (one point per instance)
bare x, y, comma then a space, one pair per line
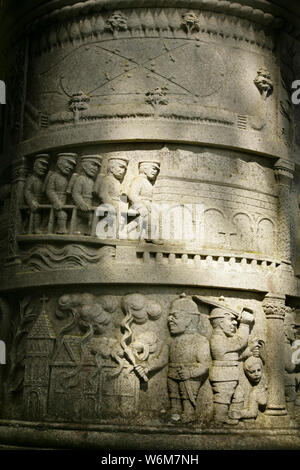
82, 191
34, 189
141, 194
110, 189
57, 185
227, 344
189, 358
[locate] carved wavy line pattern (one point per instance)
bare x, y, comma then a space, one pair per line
153, 23
44, 258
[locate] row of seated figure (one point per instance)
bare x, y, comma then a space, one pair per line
53, 189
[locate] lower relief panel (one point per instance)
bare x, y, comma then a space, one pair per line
155, 359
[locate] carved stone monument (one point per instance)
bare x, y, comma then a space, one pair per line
150, 230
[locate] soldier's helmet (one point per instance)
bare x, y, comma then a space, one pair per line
220, 312
42, 158
186, 304
69, 157
156, 164
92, 158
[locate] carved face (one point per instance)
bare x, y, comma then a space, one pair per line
150, 170
228, 324
290, 331
117, 168
40, 167
91, 168
65, 165
254, 372
178, 321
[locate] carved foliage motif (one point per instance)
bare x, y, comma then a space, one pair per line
164, 22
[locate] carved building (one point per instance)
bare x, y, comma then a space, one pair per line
149, 230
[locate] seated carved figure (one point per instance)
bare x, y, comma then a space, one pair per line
82, 191
34, 190
110, 188
57, 184
141, 196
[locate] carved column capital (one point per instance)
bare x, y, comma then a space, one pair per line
284, 171
274, 306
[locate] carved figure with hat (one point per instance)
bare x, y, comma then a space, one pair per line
34, 190
228, 342
82, 191
57, 188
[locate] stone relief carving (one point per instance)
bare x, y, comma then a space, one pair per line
117, 22
101, 363
264, 83
140, 194
190, 22
292, 376
46, 257
228, 342
189, 359
82, 192
28, 314
57, 188
34, 192
255, 397
149, 21
110, 190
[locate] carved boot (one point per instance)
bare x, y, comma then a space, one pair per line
61, 226
221, 415
175, 410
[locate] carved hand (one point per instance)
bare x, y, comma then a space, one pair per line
184, 373
57, 206
143, 211
247, 318
34, 205
84, 207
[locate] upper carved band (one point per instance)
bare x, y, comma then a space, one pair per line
221, 6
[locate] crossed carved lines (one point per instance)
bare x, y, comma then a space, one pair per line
136, 65
144, 66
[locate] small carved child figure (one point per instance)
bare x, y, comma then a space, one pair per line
82, 191
141, 194
33, 190
256, 395
57, 188
291, 368
189, 358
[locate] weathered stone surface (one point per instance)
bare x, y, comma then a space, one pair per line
149, 229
